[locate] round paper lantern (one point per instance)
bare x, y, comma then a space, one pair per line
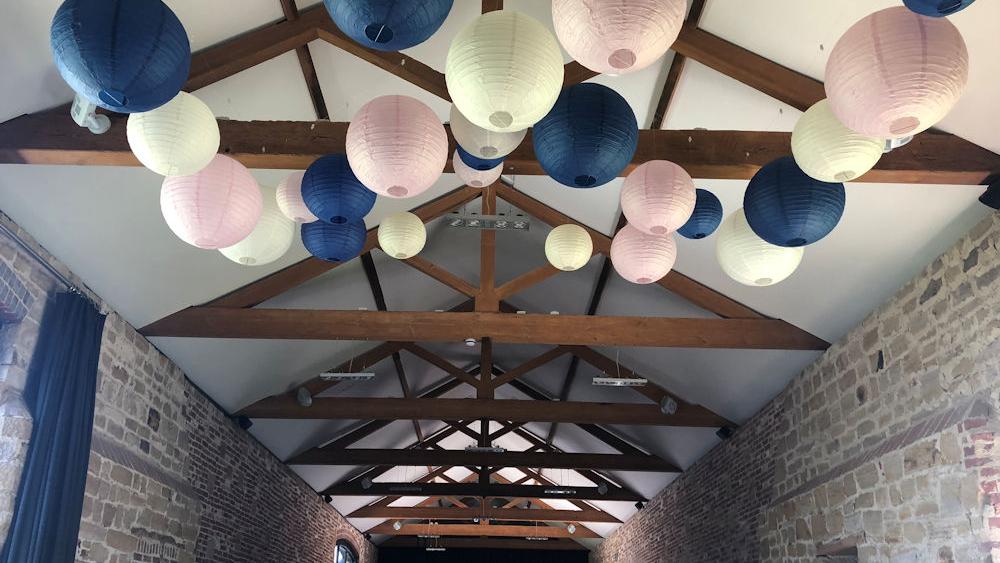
334, 242
658, 197
617, 36
289, 197
642, 258
786, 207
827, 150
402, 235
269, 240
504, 71
937, 8
176, 139
475, 162
480, 142
396, 146
333, 193
705, 218
568, 247
588, 138
214, 208
388, 25
896, 73
749, 259
473, 177
123, 55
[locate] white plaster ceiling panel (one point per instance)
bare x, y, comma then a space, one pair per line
273, 90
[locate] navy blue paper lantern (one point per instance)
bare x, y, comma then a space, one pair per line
334, 243
937, 8
388, 25
786, 207
588, 137
476, 163
706, 216
333, 193
127, 56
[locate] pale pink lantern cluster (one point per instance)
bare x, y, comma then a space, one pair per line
289, 198
396, 146
213, 208
642, 258
896, 73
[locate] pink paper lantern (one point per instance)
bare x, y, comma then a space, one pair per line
213, 208
471, 176
289, 197
617, 36
658, 197
896, 73
642, 258
396, 146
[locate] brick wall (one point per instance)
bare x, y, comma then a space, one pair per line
170, 478
885, 445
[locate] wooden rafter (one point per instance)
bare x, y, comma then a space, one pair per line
291, 12
505, 514
558, 544
478, 490
675, 70
476, 530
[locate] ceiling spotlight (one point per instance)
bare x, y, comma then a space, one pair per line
668, 405
891, 144
602, 489
359, 376
327, 499
366, 483
439, 548
639, 505
620, 381
571, 528
476, 519
397, 525
303, 398
470, 342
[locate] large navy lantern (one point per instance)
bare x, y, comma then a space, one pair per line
937, 8
588, 137
333, 193
334, 243
786, 207
388, 25
706, 216
127, 56
476, 163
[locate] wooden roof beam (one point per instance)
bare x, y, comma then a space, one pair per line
508, 514
477, 490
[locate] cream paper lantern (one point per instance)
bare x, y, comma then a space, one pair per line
568, 247
269, 240
504, 71
289, 196
830, 152
178, 138
483, 142
402, 235
471, 176
749, 259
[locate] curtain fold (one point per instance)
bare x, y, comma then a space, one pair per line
59, 393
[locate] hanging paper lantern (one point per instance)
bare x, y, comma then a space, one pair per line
396, 146
658, 197
896, 73
749, 259
786, 207
568, 247
334, 242
706, 216
332, 192
214, 208
402, 235
388, 25
504, 71
588, 138
473, 177
289, 197
475, 162
937, 8
642, 258
123, 55
615, 36
483, 143
269, 240
827, 150
176, 139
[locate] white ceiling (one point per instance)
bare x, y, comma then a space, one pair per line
105, 224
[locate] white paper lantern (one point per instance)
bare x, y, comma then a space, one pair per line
568, 247
289, 197
504, 71
473, 177
617, 36
830, 152
482, 142
402, 235
749, 259
176, 139
269, 240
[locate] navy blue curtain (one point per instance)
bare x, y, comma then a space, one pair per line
59, 393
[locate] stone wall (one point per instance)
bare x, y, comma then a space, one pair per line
171, 478
883, 448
